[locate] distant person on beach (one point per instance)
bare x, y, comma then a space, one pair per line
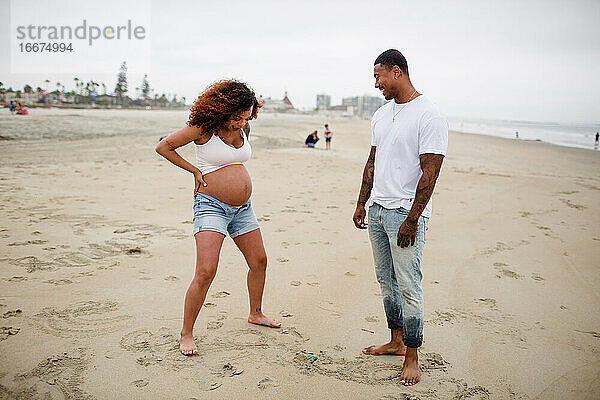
328, 136
218, 126
597, 138
311, 140
516, 134
409, 142
11, 106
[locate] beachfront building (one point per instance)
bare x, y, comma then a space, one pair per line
21, 97
323, 102
107, 99
283, 105
341, 110
364, 106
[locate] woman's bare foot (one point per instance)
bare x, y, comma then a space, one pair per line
260, 319
187, 345
410, 370
388, 348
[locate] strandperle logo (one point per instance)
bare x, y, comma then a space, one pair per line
83, 31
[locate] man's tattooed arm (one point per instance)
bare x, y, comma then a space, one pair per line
431, 165
365, 191
367, 179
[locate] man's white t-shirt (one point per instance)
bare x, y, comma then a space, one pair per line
417, 128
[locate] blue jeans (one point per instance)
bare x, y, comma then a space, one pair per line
398, 271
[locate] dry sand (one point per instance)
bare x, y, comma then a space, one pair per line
97, 254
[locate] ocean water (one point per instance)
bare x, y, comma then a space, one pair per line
561, 134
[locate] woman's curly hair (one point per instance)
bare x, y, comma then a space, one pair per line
219, 101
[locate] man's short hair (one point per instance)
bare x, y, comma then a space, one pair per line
392, 57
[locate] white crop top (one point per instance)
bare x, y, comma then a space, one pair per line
216, 154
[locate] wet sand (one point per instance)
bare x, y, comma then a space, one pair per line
97, 254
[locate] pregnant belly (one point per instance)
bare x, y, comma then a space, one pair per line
231, 185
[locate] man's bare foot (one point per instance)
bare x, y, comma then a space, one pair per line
261, 319
388, 348
410, 370
187, 345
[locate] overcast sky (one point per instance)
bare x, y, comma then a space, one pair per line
525, 60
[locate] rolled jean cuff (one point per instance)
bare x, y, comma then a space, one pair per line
412, 342
394, 326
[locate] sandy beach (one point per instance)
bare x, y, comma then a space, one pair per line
97, 252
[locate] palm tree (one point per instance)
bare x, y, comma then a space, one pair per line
76, 79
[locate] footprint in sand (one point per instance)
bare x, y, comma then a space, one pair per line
221, 294
500, 246
6, 331
59, 282
504, 272
491, 303
267, 382
293, 332
295, 283
33, 264
222, 316
227, 370
27, 243
140, 383
12, 313
537, 277
570, 204
214, 325
159, 347
17, 279
282, 260
171, 278
372, 319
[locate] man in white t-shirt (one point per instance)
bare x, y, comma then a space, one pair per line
410, 138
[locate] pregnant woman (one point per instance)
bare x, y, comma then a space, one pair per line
218, 126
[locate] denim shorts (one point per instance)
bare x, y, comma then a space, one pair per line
211, 214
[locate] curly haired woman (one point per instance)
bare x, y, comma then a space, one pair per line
218, 126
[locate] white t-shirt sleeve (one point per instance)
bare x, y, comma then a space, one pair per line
433, 136
373, 136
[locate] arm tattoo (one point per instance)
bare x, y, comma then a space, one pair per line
430, 165
367, 179
170, 145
